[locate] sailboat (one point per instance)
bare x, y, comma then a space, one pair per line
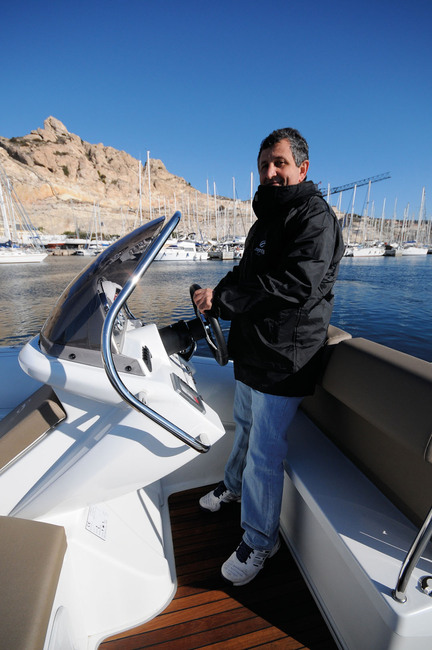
416, 248
111, 429
374, 249
13, 249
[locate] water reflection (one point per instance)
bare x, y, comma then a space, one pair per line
28, 295
163, 294
388, 300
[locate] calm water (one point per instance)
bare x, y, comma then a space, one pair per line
388, 300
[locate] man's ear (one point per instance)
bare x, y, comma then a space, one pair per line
303, 170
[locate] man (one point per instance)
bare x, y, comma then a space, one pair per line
279, 300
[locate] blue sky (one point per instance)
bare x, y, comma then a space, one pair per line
199, 84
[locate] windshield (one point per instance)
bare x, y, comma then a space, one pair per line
78, 317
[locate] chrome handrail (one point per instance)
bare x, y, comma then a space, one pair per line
107, 331
412, 557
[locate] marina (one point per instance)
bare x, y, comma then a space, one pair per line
388, 300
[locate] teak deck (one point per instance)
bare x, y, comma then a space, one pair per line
276, 610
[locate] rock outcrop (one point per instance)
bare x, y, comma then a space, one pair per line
62, 180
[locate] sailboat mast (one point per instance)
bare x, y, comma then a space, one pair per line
7, 233
215, 211
404, 222
234, 209
382, 218
420, 215
365, 223
351, 215
149, 184
207, 219
393, 224
251, 197
140, 192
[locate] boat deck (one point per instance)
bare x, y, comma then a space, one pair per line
276, 610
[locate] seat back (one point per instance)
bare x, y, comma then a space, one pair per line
375, 404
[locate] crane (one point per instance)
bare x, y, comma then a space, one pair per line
349, 186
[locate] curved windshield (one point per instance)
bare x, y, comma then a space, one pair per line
78, 317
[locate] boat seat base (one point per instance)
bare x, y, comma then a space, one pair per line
349, 541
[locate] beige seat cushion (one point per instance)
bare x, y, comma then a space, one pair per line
31, 558
28, 423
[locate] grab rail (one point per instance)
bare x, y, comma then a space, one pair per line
111, 316
411, 559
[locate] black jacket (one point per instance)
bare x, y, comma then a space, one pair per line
280, 298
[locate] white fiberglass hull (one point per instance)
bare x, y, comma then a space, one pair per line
368, 251
104, 476
178, 253
348, 540
415, 250
21, 256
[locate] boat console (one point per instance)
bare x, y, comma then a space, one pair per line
117, 411
100, 360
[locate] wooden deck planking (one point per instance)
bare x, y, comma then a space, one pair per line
274, 611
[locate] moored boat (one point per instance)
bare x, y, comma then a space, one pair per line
222, 251
368, 251
415, 250
105, 417
21, 255
181, 251
19, 242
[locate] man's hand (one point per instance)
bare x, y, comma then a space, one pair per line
203, 298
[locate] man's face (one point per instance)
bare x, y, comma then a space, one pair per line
276, 166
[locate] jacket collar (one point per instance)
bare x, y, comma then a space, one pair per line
275, 201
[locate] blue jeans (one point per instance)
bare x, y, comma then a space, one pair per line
255, 466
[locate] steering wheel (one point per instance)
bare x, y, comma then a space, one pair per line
212, 331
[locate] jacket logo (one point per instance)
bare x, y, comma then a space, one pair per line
260, 249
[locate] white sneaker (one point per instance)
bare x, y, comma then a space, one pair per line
214, 499
245, 563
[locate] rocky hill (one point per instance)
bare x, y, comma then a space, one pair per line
63, 182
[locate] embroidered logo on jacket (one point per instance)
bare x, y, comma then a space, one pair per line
260, 249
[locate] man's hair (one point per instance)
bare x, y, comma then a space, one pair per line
299, 146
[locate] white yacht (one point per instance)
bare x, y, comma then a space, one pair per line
415, 250
181, 251
21, 255
368, 251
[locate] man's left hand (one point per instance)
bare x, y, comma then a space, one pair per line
203, 298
